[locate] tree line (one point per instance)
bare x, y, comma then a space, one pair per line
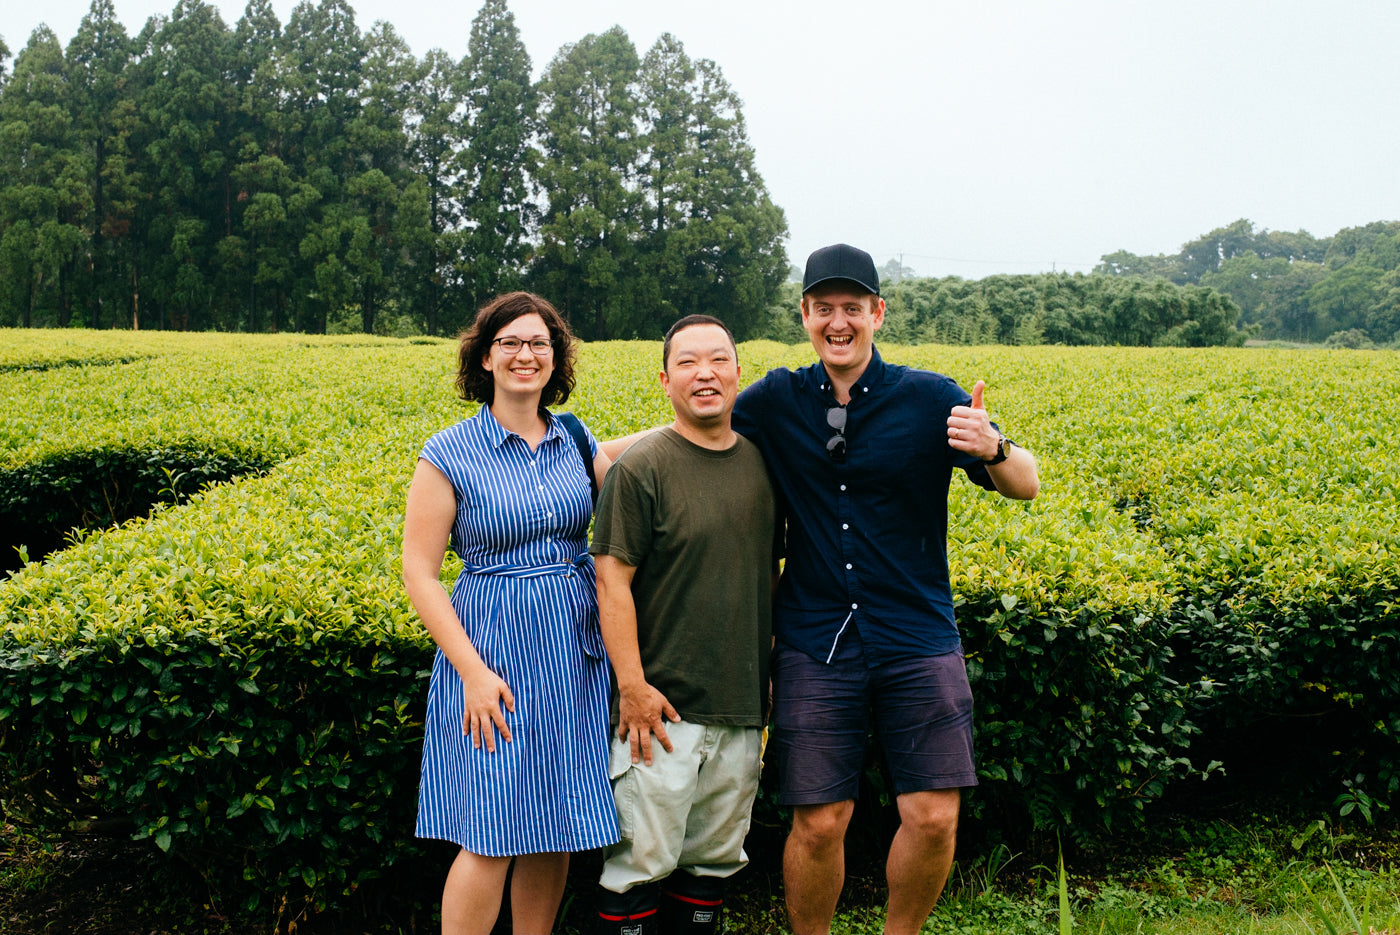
1043, 308
1063, 308
1341, 290
1231, 284
313, 176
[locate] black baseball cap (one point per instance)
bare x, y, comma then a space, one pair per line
841, 261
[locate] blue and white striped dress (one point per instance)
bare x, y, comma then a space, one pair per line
527, 598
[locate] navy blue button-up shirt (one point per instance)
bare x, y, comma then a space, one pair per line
867, 538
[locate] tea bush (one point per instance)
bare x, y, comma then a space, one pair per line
239, 677
1271, 483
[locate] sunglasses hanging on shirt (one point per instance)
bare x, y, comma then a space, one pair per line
836, 445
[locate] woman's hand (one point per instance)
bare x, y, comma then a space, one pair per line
483, 692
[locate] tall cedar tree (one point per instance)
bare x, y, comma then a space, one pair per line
261, 179
104, 113
667, 173
498, 160
378, 137
187, 108
325, 53
45, 200
588, 262
437, 136
715, 245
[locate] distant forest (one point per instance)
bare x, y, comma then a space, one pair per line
312, 176
1227, 286
316, 177
1343, 290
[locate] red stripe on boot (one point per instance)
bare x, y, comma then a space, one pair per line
693, 900
640, 915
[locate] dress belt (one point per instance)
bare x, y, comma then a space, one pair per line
529, 571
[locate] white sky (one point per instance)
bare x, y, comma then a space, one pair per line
1000, 136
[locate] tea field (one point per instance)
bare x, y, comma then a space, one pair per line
222, 659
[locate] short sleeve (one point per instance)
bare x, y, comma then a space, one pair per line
622, 521
749, 409
435, 453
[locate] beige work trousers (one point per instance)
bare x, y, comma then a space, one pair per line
689, 809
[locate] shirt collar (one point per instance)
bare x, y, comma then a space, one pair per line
873, 375
497, 435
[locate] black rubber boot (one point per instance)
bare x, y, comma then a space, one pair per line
691, 905
634, 912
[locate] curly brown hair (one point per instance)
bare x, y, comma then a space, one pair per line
475, 382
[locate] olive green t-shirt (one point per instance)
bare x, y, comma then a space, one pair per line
698, 527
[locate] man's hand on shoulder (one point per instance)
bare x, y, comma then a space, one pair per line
641, 712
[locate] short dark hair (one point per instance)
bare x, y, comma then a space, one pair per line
476, 383
690, 321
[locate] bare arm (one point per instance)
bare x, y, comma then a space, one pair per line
616, 446
601, 463
428, 518
640, 706
1016, 478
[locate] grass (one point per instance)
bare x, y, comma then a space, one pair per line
1256, 874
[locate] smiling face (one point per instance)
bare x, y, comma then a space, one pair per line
526, 371
702, 376
841, 319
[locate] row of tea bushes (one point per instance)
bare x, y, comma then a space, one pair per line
242, 679
1272, 483
237, 678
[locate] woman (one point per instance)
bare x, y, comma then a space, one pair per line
516, 742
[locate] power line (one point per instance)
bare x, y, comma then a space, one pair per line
902, 254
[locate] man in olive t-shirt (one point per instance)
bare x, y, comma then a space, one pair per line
683, 541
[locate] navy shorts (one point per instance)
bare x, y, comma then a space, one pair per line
921, 708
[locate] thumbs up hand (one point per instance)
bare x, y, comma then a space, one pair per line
970, 429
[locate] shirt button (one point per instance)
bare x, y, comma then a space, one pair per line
849, 566
854, 606
845, 525
843, 486
865, 389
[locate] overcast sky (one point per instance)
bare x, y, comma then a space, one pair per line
1000, 136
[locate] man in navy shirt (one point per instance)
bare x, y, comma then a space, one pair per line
862, 453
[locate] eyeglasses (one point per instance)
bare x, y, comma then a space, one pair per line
836, 445
538, 346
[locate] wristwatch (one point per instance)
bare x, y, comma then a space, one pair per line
1003, 450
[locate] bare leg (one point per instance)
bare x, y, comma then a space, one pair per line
471, 899
814, 865
536, 888
920, 857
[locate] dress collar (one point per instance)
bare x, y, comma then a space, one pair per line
497, 434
